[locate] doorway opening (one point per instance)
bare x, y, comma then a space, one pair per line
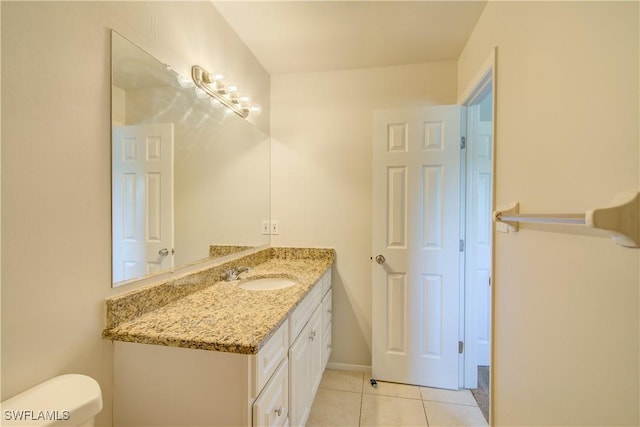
432, 196
476, 224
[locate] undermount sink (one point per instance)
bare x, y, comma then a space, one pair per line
267, 284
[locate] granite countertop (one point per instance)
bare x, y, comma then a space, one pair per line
221, 316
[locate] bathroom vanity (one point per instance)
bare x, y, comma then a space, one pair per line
201, 351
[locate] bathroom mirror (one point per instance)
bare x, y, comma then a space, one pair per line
190, 179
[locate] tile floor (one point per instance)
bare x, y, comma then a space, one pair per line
347, 399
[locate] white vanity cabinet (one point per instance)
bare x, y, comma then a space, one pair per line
307, 357
326, 327
302, 367
162, 385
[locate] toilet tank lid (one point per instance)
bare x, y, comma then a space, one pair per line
67, 399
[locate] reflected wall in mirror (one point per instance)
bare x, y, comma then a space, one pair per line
190, 179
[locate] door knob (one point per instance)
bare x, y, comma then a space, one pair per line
163, 252
380, 259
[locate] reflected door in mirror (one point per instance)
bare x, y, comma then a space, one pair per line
143, 216
220, 172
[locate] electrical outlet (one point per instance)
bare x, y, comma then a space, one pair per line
266, 227
275, 227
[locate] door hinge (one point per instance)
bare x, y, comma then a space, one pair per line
463, 142
461, 245
460, 347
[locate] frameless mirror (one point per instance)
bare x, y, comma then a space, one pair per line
190, 179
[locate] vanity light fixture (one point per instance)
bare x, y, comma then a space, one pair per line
217, 88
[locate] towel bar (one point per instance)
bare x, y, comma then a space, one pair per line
622, 221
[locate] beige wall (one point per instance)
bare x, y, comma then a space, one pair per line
56, 238
566, 338
321, 174
565, 305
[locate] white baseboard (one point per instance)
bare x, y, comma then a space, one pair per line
349, 367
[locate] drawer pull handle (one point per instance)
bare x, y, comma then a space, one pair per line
279, 411
312, 335
329, 311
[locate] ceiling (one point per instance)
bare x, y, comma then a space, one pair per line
308, 36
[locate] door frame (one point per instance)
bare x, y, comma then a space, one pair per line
485, 74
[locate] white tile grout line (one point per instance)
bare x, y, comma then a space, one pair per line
361, 399
360, 414
424, 407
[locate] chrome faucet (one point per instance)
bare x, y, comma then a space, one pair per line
233, 273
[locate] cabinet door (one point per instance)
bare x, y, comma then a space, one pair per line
326, 310
326, 327
300, 378
326, 348
316, 344
272, 406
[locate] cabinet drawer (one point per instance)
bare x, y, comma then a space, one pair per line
303, 311
326, 281
269, 356
326, 310
271, 408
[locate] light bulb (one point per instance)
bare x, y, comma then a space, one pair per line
184, 81
220, 83
221, 87
200, 93
232, 90
256, 108
245, 101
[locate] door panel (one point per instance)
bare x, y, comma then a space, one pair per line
416, 227
478, 258
396, 313
432, 310
142, 199
432, 209
397, 207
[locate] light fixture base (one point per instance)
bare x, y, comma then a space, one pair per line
202, 79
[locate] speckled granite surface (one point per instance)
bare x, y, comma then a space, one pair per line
130, 305
202, 312
216, 251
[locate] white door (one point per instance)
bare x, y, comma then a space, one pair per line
142, 205
416, 228
478, 257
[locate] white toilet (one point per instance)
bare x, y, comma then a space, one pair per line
68, 400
